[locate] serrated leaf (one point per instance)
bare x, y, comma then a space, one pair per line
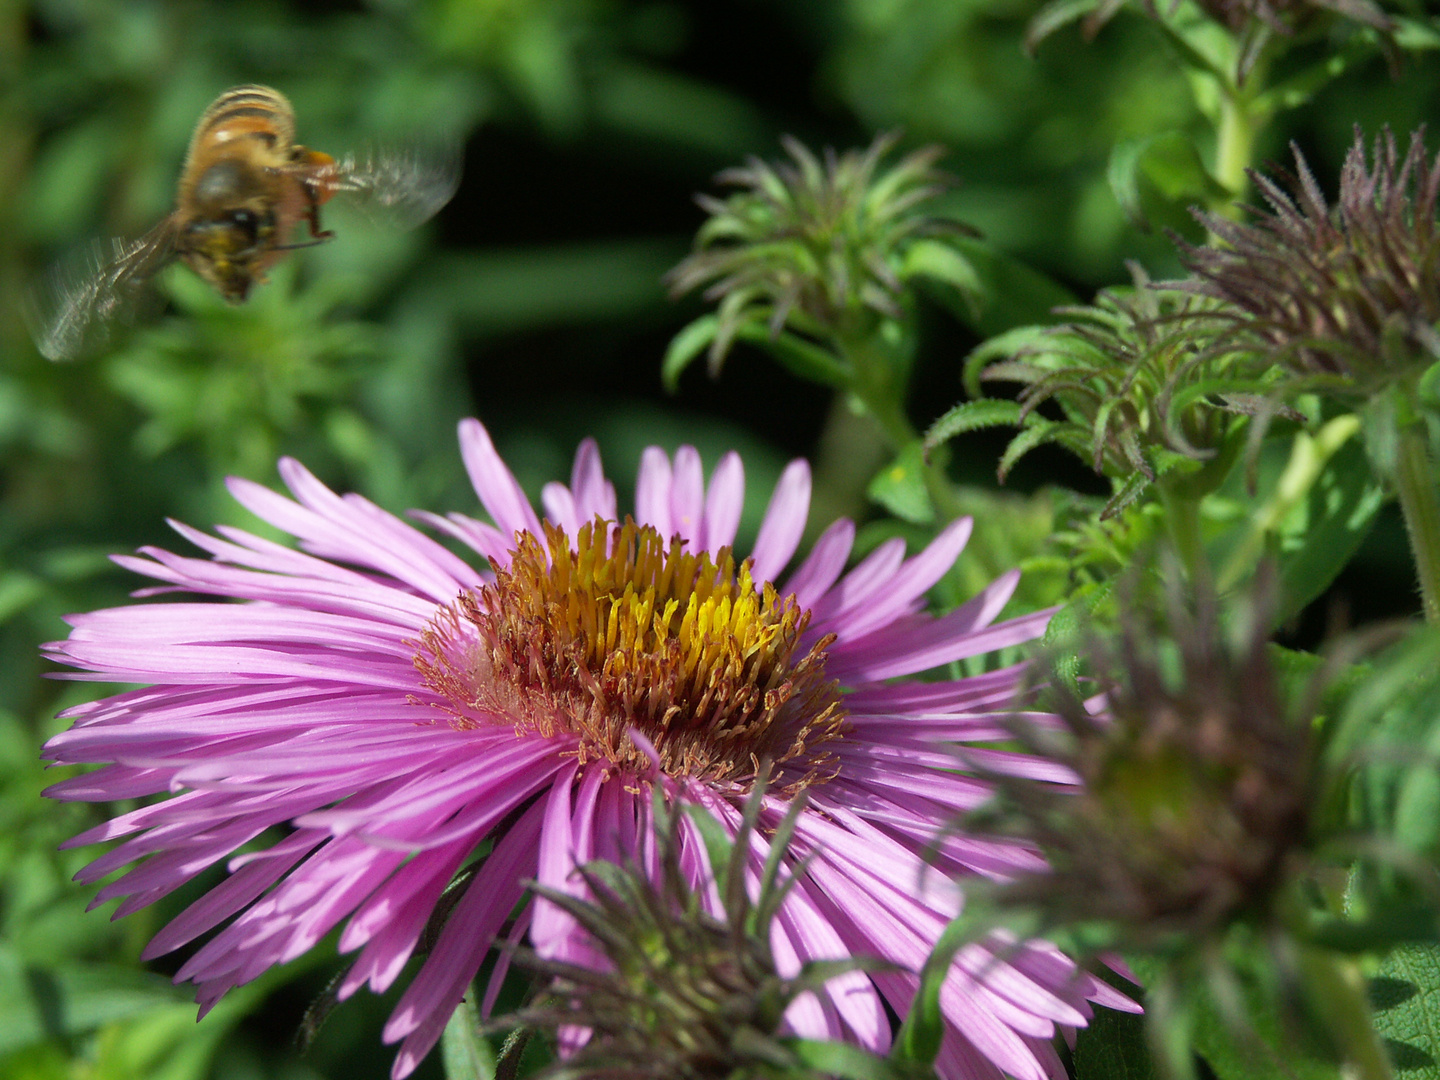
1409, 1022
1036, 434
972, 416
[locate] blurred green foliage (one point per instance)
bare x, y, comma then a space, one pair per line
533, 301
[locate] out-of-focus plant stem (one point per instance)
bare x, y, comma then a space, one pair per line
878, 381
1415, 485
1234, 147
1182, 520
878, 368
1336, 988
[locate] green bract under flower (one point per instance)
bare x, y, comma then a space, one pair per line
1346, 297
1140, 390
676, 991
821, 247
1197, 783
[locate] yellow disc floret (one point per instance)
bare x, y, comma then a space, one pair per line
622, 630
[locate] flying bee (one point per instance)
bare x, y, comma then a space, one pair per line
244, 190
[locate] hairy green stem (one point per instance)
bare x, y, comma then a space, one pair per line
1415, 484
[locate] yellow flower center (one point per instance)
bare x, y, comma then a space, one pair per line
624, 631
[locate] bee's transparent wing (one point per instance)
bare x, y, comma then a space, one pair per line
72, 310
401, 187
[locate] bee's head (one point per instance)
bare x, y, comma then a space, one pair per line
228, 249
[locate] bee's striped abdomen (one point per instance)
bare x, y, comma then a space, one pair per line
256, 112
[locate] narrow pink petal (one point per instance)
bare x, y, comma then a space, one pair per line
724, 503
427, 1003
477, 535
652, 492
235, 892
858, 586
907, 588
559, 507
500, 493
784, 522
556, 861
823, 565
687, 497
594, 495
920, 643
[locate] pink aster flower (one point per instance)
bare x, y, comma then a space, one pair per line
395, 707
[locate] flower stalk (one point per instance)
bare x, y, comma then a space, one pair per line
1415, 486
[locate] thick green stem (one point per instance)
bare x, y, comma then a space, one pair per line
879, 362
878, 369
1234, 149
1415, 484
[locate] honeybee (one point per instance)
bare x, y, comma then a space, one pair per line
245, 187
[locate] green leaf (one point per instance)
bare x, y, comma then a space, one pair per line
919, 1037
1036, 434
718, 844
1415, 35
1009, 292
685, 346
466, 1053
1159, 177
1053, 16
900, 486
1305, 84
1279, 519
846, 1061
1113, 1047
18, 590
797, 355
67, 1000
1002, 346
1405, 995
1262, 1045
1341, 510
943, 261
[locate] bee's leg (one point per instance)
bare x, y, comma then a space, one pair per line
312, 215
